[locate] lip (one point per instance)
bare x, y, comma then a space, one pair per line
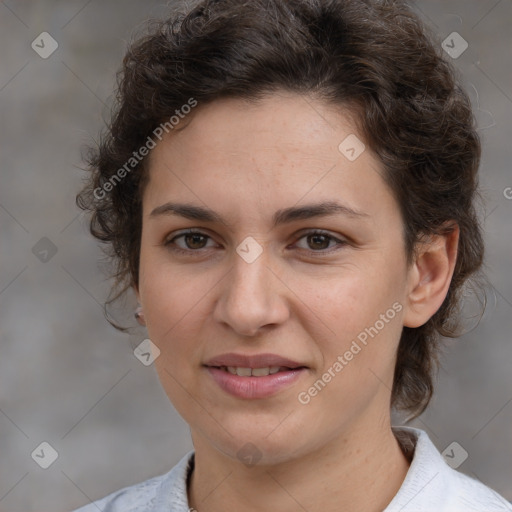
254, 387
252, 361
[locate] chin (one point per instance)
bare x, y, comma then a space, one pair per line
253, 445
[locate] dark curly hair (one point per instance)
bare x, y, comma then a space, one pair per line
375, 57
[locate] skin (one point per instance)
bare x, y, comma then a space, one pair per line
245, 162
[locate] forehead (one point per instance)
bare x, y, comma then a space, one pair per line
283, 123
281, 150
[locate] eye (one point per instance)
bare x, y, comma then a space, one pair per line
194, 241
320, 240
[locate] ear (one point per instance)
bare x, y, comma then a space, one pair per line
430, 275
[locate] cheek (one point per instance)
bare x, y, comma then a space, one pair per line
351, 301
171, 300
361, 314
174, 323
358, 353
173, 315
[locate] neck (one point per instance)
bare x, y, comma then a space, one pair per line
358, 470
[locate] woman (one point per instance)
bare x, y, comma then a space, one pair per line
288, 187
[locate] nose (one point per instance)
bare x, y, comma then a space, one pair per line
252, 297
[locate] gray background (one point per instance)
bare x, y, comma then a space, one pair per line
68, 378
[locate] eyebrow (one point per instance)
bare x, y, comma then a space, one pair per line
282, 216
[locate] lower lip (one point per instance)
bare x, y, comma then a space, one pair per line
254, 387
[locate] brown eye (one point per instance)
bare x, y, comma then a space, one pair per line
194, 241
319, 241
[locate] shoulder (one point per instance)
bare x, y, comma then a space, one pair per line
160, 493
432, 485
474, 495
134, 498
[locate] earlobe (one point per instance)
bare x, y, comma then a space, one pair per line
430, 276
139, 316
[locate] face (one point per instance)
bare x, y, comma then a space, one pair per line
255, 278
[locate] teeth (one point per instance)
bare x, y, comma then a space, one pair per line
253, 372
260, 372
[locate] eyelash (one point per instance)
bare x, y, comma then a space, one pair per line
170, 243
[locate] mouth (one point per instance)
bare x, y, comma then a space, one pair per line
253, 376
244, 382
242, 371
246, 362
